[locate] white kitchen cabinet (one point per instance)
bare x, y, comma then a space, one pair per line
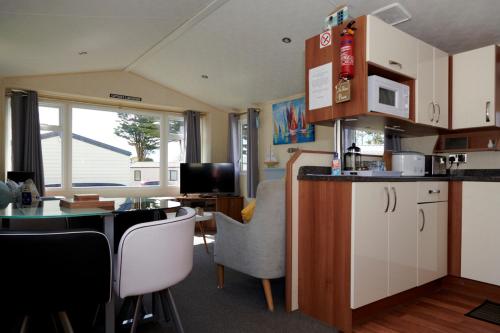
432, 241
474, 84
481, 231
432, 86
391, 48
402, 238
383, 240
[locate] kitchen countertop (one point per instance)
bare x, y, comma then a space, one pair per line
475, 175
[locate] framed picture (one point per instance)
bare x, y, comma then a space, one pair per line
289, 123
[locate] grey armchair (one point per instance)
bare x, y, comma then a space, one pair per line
258, 247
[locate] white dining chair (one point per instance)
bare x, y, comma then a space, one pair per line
152, 257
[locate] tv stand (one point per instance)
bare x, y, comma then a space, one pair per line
228, 205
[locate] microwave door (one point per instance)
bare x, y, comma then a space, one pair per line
387, 101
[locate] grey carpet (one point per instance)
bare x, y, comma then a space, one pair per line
239, 307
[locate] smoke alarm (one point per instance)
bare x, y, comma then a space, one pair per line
392, 14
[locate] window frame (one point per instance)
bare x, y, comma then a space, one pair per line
66, 128
349, 131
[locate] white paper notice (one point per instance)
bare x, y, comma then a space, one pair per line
320, 86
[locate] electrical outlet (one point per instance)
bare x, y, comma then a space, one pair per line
462, 158
457, 158
452, 158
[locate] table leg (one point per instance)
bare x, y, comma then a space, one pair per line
110, 306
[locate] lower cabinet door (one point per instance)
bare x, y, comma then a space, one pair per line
432, 241
369, 244
402, 237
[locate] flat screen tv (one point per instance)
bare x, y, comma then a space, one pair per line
207, 178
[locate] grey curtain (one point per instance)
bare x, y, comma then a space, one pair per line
253, 152
392, 142
192, 136
233, 149
26, 143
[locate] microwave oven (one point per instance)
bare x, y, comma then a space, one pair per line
387, 96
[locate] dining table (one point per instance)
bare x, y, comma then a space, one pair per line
51, 209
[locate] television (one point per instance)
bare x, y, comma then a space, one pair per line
207, 178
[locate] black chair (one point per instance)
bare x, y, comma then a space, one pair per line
44, 273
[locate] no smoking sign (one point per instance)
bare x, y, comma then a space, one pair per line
325, 39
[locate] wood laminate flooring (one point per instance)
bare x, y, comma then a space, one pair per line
440, 312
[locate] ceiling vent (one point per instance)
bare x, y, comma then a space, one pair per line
392, 14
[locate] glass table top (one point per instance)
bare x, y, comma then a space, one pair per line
51, 208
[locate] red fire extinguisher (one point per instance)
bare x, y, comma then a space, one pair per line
347, 52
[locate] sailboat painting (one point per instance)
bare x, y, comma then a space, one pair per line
289, 122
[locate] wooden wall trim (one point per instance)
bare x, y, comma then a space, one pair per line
288, 213
454, 228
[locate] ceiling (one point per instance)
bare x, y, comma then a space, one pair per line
237, 43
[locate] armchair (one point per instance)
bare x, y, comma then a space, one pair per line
258, 247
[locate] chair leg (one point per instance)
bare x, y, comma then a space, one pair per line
268, 293
220, 276
164, 307
202, 230
173, 309
66, 324
137, 312
24, 325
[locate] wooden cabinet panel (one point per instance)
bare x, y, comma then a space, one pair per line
231, 206
474, 81
425, 85
432, 241
391, 48
369, 243
481, 231
402, 238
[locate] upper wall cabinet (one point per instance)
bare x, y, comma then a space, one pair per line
391, 48
432, 86
475, 76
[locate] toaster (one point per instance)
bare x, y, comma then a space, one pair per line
409, 163
435, 165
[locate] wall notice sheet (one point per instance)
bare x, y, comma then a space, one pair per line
320, 86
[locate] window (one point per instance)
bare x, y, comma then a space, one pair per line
51, 132
95, 146
243, 132
176, 153
371, 142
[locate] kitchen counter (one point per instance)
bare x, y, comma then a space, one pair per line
476, 175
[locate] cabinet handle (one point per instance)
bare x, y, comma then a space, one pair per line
395, 63
434, 191
439, 113
488, 111
433, 111
423, 219
387, 198
395, 199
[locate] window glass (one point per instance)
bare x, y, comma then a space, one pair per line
51, 138
243, 132
109, 147
371, 142
176, 153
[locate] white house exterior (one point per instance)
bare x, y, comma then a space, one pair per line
94, 162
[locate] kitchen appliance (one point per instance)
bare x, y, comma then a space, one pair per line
435, 165
352, 159
410, 163
387, 96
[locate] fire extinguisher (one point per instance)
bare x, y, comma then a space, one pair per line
347, 52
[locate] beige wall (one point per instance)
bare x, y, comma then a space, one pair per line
96, 87
475, 160
323, 142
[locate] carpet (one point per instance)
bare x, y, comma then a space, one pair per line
488, 311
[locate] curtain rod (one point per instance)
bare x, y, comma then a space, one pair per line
8, 91
242, 113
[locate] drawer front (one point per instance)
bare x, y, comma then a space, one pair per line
432, 191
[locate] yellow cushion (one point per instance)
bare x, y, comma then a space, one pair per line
247, 212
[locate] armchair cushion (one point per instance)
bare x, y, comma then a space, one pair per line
247, 212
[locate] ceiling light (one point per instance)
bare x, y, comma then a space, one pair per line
286, 40
204, 76
83, 53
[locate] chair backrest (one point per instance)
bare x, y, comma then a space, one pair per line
51, 271
155, 255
